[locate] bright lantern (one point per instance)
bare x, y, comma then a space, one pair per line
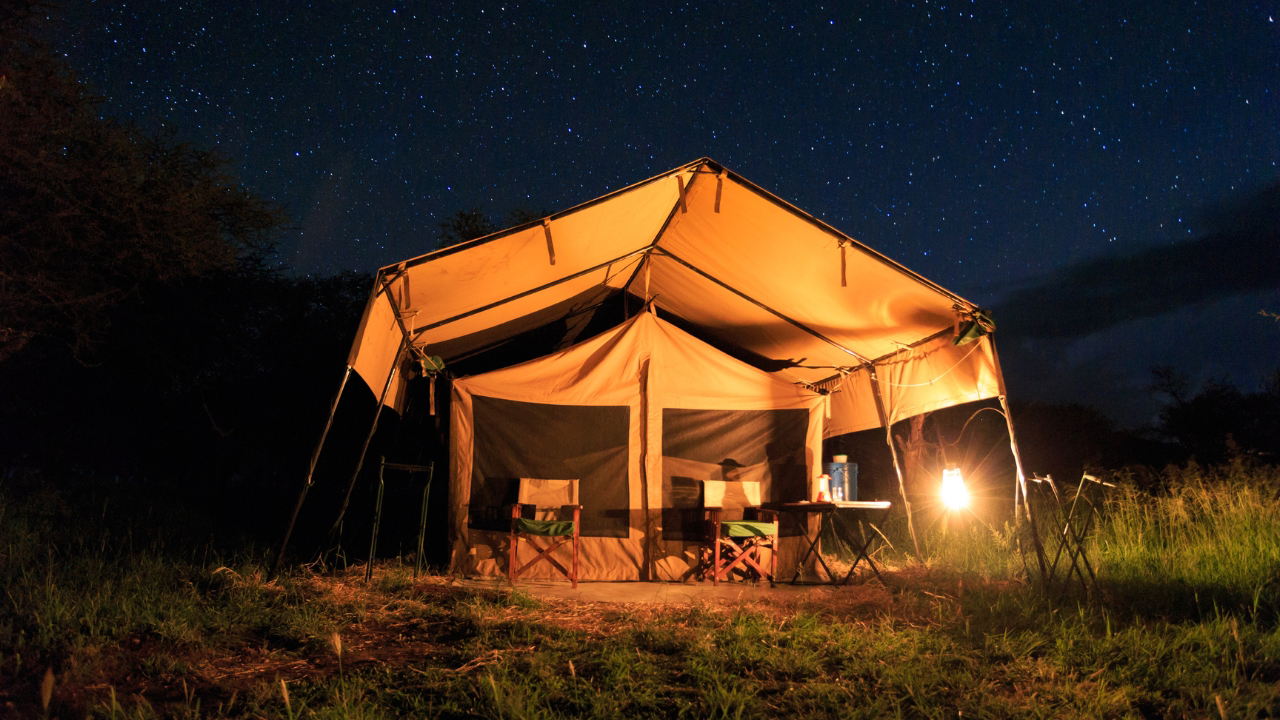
954, 494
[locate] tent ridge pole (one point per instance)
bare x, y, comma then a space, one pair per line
368, 438
912, 346
315, 458
762, 306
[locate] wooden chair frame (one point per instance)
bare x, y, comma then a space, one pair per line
544, 553
728, 553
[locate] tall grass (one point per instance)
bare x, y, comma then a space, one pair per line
81, 579
1207, 542
1196, 543
1183, 617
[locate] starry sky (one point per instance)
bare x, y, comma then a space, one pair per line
999, 149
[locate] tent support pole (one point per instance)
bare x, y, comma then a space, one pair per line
649, 539
893, 452
1020, 488
373, 428
315, 458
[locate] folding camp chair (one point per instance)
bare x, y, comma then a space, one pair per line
534, 514
735, 545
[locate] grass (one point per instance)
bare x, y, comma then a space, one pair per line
137, 622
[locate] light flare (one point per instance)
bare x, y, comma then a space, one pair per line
954, 493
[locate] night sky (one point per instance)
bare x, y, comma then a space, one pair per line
1007, 152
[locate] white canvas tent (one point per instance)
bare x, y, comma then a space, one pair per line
802, 303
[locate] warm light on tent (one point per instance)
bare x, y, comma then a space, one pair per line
954, 494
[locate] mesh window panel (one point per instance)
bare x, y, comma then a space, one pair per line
518, 439
763, 445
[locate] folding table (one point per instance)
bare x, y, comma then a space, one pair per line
864, 513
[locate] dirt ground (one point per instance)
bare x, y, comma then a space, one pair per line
390, 628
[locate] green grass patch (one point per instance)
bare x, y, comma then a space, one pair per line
135, 623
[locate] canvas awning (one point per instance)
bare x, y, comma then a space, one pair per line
734, 264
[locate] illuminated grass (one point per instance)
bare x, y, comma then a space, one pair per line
162, 629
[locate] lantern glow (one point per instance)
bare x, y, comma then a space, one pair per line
954, 493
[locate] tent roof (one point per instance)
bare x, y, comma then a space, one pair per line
738, 266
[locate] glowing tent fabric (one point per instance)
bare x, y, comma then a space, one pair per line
790, 298
640, 414
744, 267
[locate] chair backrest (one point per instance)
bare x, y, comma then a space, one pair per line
731, 494
541, 492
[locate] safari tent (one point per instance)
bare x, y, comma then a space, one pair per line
689, 326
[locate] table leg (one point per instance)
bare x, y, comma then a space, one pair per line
863, 554
813, 549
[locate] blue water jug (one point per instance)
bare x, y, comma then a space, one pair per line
844, 479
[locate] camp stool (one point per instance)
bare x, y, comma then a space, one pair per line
542, 498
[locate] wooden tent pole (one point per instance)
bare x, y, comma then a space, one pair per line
650, 541
1020, 488
315, 458
368, 438
893, 452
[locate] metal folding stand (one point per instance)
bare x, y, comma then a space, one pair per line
1073, 525
383, 466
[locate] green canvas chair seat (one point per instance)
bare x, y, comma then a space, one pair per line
735, 546
748, 528
545, 528
547, 500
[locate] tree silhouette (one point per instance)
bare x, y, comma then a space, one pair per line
94, 210
466, 225
1219, 419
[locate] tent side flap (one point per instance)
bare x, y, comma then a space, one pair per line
376, 346
930, 376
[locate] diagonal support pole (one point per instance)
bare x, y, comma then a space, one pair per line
893, 452
373, 428
315, 458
